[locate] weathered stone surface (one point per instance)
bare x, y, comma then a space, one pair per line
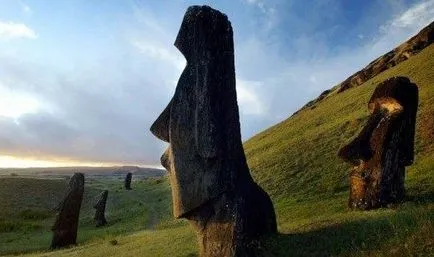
127, 182
66, 224
384, 146
210, 179
100, 209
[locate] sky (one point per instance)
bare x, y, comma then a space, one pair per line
81, 81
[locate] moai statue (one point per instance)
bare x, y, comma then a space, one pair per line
65, 227
210, 180
128, 181
100, 209
384, 147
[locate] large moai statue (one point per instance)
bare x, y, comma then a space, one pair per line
66, 224
210, 180
127, 182
100, 209
384, 147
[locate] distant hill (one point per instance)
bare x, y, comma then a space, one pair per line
92, 171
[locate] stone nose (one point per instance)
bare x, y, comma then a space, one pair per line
360, 148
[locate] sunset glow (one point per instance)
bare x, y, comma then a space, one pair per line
16, 162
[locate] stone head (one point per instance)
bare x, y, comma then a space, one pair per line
384, 146
201, 123
393, 108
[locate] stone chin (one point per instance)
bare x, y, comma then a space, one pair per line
192, 186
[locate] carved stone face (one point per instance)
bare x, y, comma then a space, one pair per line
205, 157
384, 146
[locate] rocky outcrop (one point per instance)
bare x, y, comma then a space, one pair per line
401, 53
384, 146
66, 224
409, 48
127, 182
210, 180
99, 207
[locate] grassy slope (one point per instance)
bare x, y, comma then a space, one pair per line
295, 161
26, 216
298, 156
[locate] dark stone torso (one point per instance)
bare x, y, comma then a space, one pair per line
384, 146
127, 182
99, 218
210, 180
66, 224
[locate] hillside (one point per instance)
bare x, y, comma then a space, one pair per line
401, 53
409, 48
26, 209
297, 157
296, 162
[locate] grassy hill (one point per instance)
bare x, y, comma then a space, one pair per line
295, 161
26, 206
298, 157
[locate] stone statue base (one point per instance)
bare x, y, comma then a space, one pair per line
232, 224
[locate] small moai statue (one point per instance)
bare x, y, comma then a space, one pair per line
128, 181
99, 218
66, 224
210, 180
384, 146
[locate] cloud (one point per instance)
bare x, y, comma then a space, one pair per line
160, 53
88, 118
249, 101
25, 8
268, 12
400, 28
261, 5
12, 30
419, 15
14, 104
290, 83
100, 108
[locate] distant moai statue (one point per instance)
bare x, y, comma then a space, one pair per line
210, 180
100, 209
66, 224
128, 181
384, 147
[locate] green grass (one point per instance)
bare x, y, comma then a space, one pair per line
295, 161
26, 214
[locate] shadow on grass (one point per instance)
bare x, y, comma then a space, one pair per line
420, 198
356, 237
